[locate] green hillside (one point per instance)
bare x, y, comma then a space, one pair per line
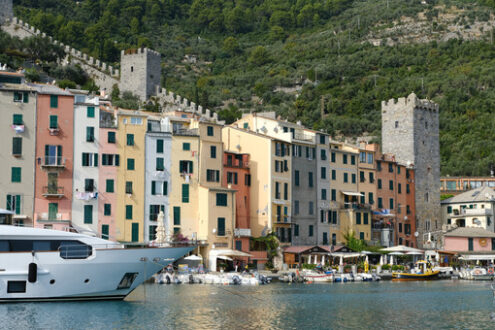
305, 58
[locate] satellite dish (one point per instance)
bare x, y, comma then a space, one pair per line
416, 234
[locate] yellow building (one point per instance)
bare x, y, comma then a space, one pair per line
130, 176
270, 168
345, 197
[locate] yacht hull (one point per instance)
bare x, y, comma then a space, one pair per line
107, 274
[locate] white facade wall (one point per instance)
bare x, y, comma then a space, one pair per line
81, 198
157, 132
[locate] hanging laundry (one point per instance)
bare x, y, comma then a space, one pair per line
18, 128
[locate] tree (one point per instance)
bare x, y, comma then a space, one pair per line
231, 46
259, 56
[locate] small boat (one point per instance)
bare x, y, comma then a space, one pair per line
477, 273
422, 271
313, 276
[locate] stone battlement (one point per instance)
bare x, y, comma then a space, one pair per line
139, 51
413, 100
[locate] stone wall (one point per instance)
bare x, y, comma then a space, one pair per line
6, 10
410, 131
141, 72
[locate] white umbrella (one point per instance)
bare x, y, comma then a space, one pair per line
396, 254
414, 253
366, 252
381, 260
401, 248
391, 260
366, 260
193, 257
224, 258
341, 262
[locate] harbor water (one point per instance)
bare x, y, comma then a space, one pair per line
378, 305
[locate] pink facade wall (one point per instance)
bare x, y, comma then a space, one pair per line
64, 138
107, 173
461, 244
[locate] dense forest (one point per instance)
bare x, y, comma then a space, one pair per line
308, 60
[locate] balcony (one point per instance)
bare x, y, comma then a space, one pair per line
242, 232
53, 192
355, 206
471, 212
108, 123
52, 162
186, 132
237, 164
279, 218
303, 137
53, 217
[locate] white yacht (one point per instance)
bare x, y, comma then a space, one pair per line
45, 265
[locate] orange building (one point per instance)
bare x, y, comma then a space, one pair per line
395, 206
54, 154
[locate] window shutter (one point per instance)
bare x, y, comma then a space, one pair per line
176, 216
221, 227
165, 188
9, 203
88, 214
159, 146
128, 212
53, 121
17, 146
153, 187
17, 120
95, 158
25, 97
59, 155
185, 193
117, 160
91, 112
53, 101
16, 174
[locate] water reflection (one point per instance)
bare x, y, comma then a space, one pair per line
440, 304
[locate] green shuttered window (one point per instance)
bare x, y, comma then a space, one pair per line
130, 164
221, 227
110, 186
91, 112
17, 146
128, 212
16, 174
88, 213
185, 193
53, 121
107, 209
53, 101
176, 216
17, 120
130, 139
159, 146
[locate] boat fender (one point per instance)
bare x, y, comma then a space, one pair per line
32, 273
490, 271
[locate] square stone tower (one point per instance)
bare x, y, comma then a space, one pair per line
6, 10
140, 72
410, 131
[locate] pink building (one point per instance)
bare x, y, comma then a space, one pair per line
107, 196
469, 239
54, 154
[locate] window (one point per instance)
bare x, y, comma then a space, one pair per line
109, 186
53, 101
89, 185
398, 169
136, 121
245, 125
324, 194
130, 164
390, 168
159, 146
90, 134
323, 172
186, 146
53, 121
209, 130
296, 207
221, 227
221, 199
128, 212
159, 164
408, 209
372, 179
90, 112
365, 218
128, 187
399, 188
322, 139
449, 209
344, 159
186, 166
362, 198
370, 198
361, 236
378, 166
213, 152
310, 229
391, 203
353, 160
238, 245
361, 176
396, 124
470, 244
334, 194
16, 146
130, 139
88, 214
135, 231
353, 177
155, 210
277, 190
362, 157
346, 177
370, 158
400, 227
17, 97
111, 137
16, 286
390, 185
176, 216
152, 232
105, 231
333, 157
17, 120
322, 216
14, 203
185, 193
310, 179
107, 209
380, 203
286, 191
212, 175
310, 208
296, 178
296, 230
334, 175
358, 218
16, 174
408, 189
323, 154
379, 184
247, 180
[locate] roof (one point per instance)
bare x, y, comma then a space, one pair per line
14, 74
306, 248
481, 194
50, 89
470, 232
16, 87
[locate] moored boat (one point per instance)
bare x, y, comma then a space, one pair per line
422, 271
47, 265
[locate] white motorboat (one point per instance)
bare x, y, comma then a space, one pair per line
46, 265
313, 276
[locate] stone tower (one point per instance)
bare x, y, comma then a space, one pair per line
140, 72
6, 10
410, 131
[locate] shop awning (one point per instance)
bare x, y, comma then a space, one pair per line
352, 193
477, 257
4, 211
231, 253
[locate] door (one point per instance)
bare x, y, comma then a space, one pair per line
135, 232
52, 211
52, 183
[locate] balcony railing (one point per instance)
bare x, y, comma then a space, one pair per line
280, 218
186, 132
53, 192
237, 163
53, 217
355, 206
52, 162
303, 137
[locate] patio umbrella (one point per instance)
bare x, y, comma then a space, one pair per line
224, 258
366, 260
341, 262
381, 260
193, 257
401, 248
396, 254
391, 260
411, 253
